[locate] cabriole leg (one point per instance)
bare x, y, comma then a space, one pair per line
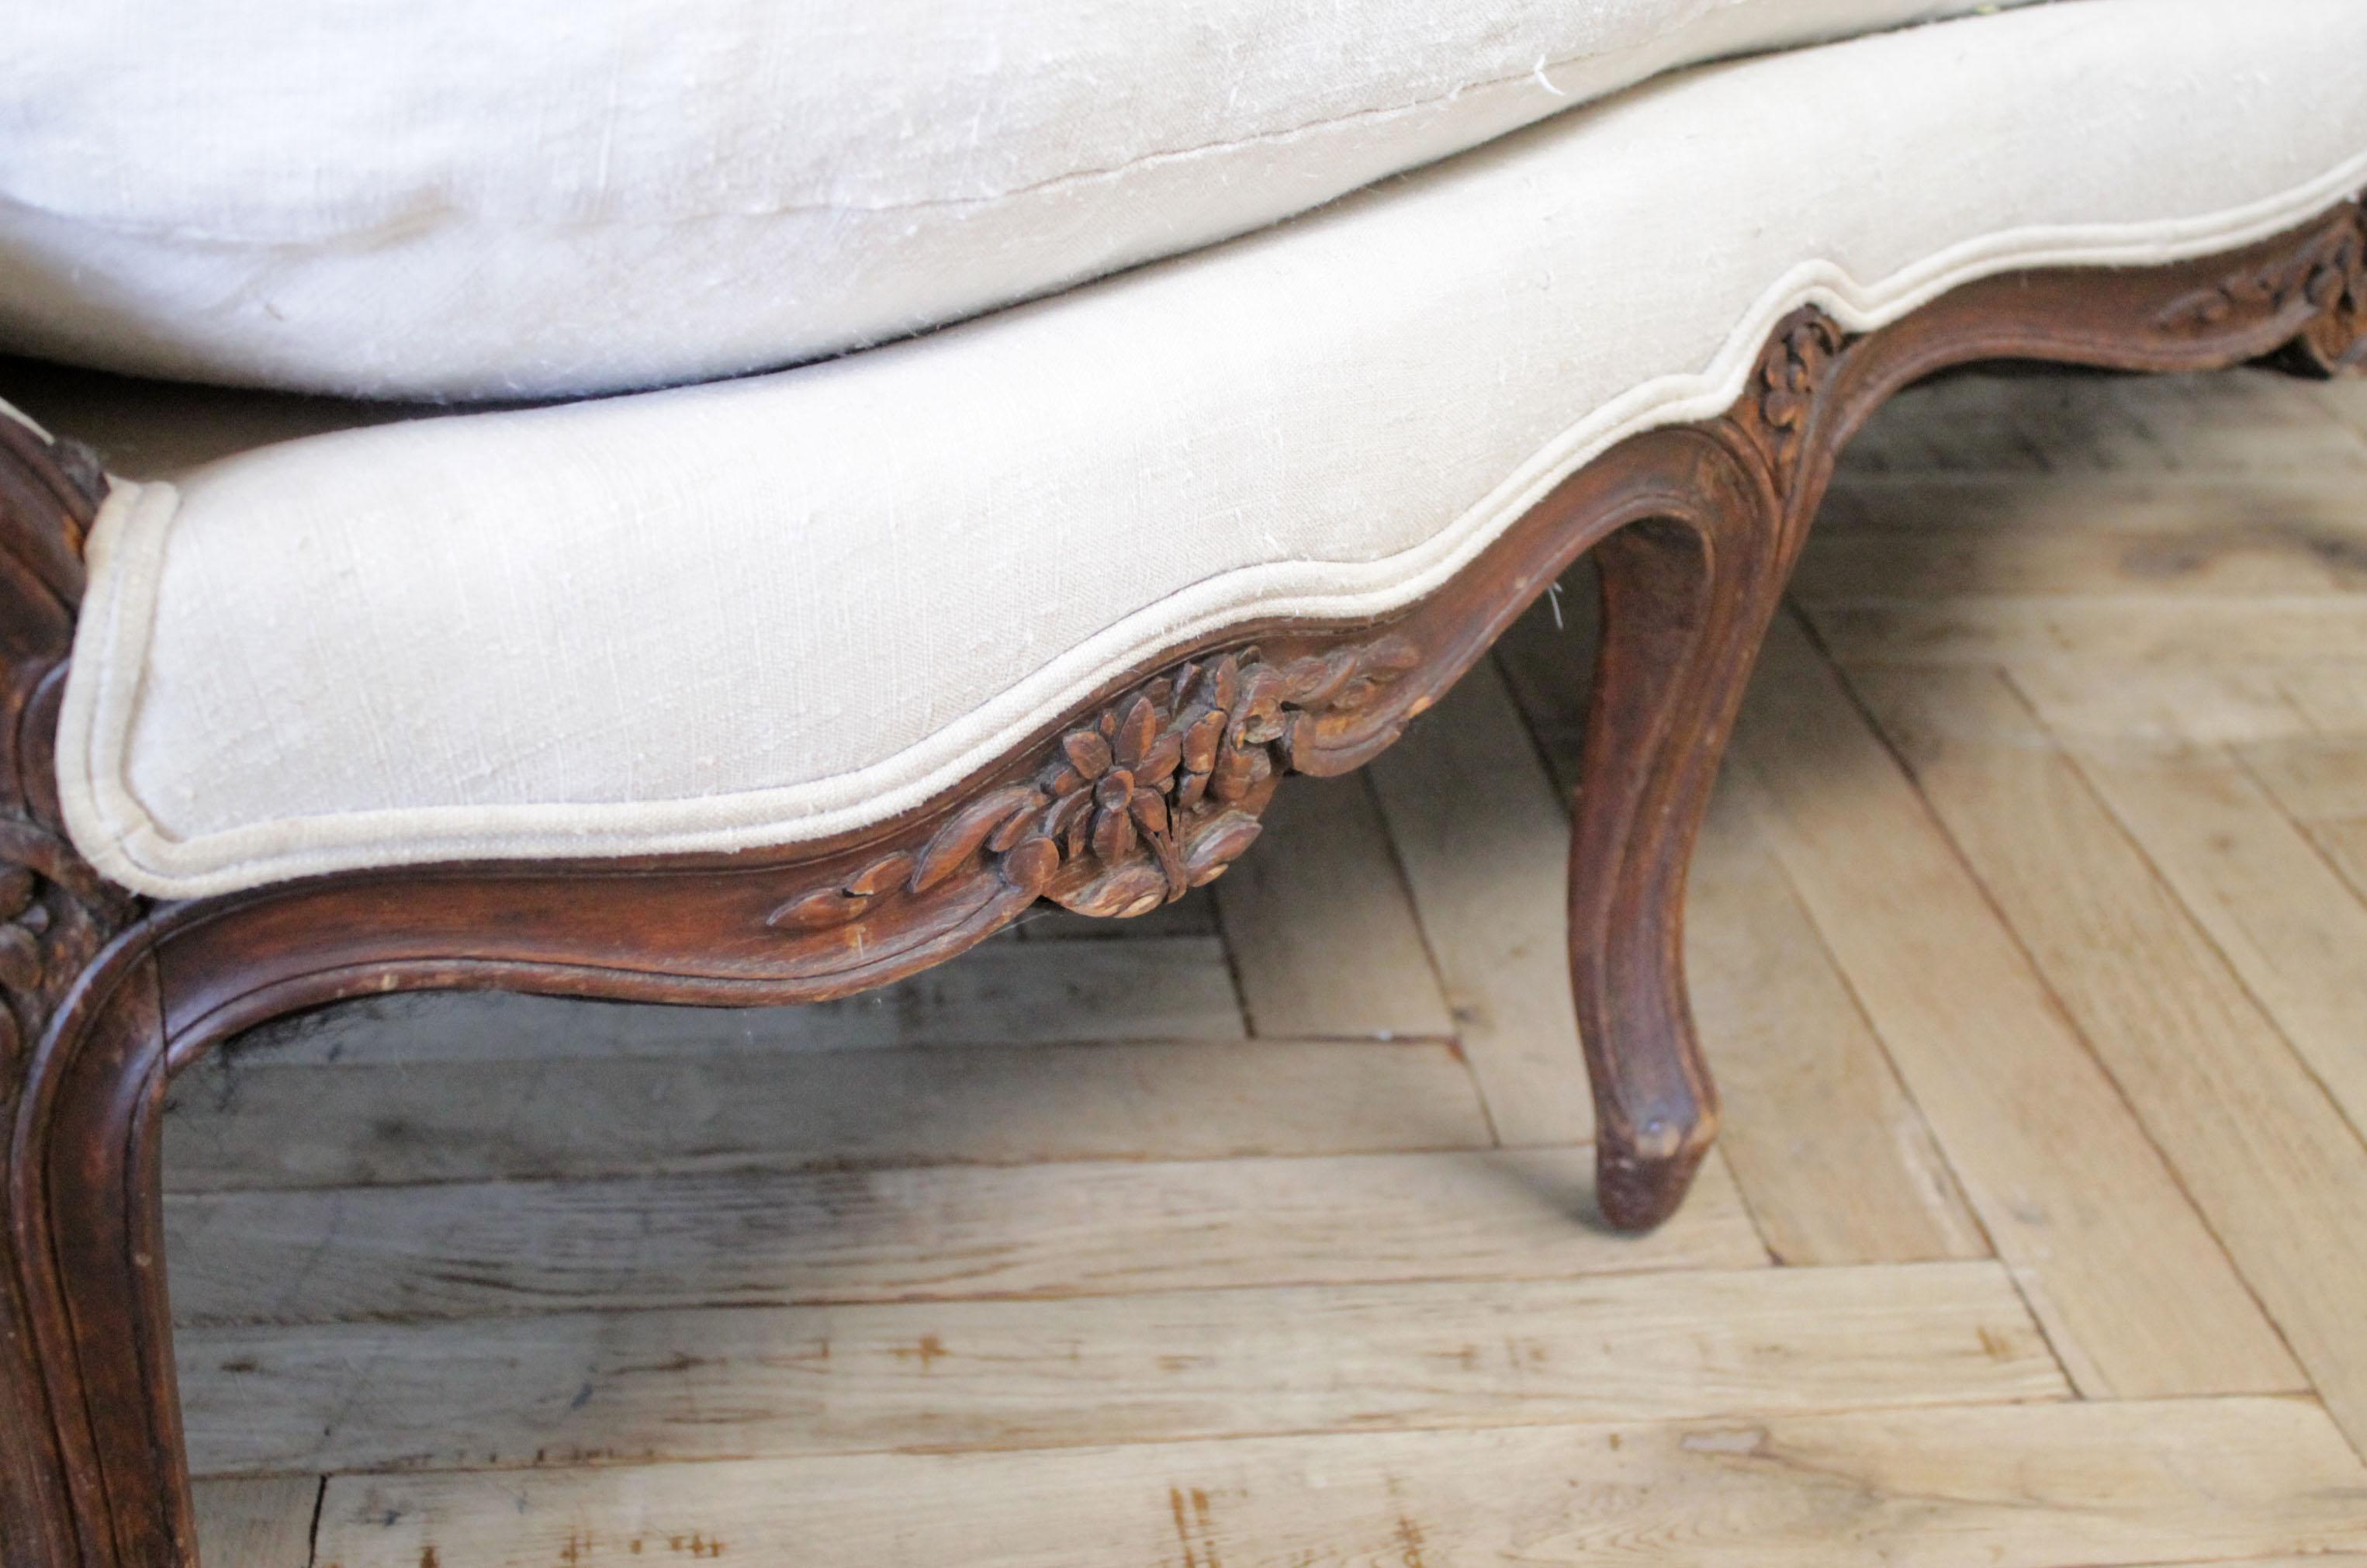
1685, 607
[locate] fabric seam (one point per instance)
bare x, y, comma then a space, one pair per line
1284, 137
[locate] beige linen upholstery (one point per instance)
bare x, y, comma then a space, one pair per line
464, 198
760, 611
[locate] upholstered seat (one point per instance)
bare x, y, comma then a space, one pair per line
449, 199
771, 609
783, 689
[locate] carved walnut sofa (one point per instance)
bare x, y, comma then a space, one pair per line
781, 687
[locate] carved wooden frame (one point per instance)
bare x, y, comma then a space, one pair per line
1149, 790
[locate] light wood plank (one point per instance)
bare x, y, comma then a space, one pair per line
2283, 918
939, 1234
1484, 838
2039, 562
2166, 705
2333, 697
2345, 398
2248, 421
2267, 1155
1837, 1165
1321, 928
2319, 772
606, 1387
241, 1125
1986, 424
1004, 992
1835, 1162
2317, 777
2106, 568
2344, 845
2135, 1292
258, 1522
2320, 778
2016, 1487
2304, 509
2299, 732
2244, 422
2014, 629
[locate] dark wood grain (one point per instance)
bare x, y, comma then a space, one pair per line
1150, 789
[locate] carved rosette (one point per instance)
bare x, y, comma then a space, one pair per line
2323, 283
1157, 795
1793, 371
48, 934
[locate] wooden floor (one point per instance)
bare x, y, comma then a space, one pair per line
2030, 941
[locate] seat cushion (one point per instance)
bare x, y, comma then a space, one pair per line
766, 611
461, 200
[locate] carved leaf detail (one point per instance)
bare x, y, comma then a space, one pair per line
2320, 289
1113, 835
1199, 742
881, 874
1156, 795
964, 832
1217, 845
1136, 888
1150, 812
1088, 753
20, 959
1159, 764
1014, 827
1135, 734
1030, 864
49, 932
816, 910
17, 887
2324, 276
1793, 372
1066, 813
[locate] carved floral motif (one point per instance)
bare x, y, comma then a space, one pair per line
2326, 277
23, 919
1792, 372
2319, 274
1157, 795
46, 937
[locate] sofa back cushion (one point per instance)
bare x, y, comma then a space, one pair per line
527, 198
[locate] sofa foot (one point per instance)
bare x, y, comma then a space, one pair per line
1685, 604
1638, 1187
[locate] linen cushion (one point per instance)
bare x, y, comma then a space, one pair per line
462, 199
763, 610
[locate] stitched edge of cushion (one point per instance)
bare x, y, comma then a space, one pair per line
110, 660
123, 840
1732, 33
